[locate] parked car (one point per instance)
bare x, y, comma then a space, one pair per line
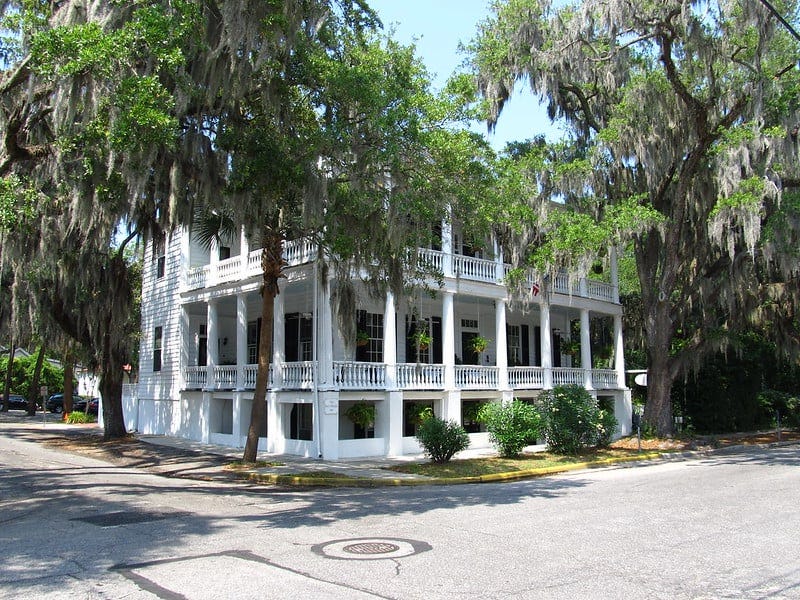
93, 406
55, 403
15, 402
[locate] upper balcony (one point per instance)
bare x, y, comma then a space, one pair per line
465, 268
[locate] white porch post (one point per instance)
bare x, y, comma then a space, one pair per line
448, 341
547, 347
447, 248
586, 349
325, 335
212, 353
614, 275
187, 346
278, 341
244, 252
619, 352
241, 339
501, 344
213, 260
390, 340
500, 271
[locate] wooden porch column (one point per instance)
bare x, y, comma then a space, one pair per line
447, 248
241, 339
448, 341
390, 340
586, 349
547, 347
212, 353
619, 352
501, 347
278, 340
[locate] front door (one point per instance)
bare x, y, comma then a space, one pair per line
470, 357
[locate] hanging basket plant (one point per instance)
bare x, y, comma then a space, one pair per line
571, 347
362, 414
362, 338
479, 344
421, 339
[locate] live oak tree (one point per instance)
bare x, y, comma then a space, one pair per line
682, 120
124, 119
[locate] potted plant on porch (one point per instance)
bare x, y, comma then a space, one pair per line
421, 339
479, 344
362, 338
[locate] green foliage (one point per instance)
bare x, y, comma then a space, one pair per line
22, 375
740, 390
781, 405
76, 417
361, 413
572, 420
441, 439
511, 426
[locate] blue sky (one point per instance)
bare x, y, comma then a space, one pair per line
437, 27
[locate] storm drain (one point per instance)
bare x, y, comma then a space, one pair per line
370, 548
116, 519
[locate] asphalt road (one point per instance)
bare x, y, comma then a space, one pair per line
721, 527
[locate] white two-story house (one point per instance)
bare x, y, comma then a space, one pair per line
200, 332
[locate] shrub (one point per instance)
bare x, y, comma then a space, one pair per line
441, 439
511, 426
607, 428
572, 420
79, 417
785, 404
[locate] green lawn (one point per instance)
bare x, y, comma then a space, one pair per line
471, 467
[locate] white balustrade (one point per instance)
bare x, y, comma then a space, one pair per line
196, 378
419, 376
476, 377
349, 375
477, 269
604, 379
526, 378
600, 290
431, 259
298, 375
229, 269
196, 277
225, 377
567, 376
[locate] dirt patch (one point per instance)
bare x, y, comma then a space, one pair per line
132, 452
707, 442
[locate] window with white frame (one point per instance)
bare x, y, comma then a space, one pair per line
158, 338
159, 255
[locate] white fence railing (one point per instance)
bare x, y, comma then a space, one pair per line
350, 375
196, 378
476, 269
298, 375
526, 377
476, 377
419, 376
567, 376
359, 375
604, 379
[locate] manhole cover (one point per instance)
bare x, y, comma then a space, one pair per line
370, 548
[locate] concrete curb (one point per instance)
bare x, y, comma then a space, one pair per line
311, 481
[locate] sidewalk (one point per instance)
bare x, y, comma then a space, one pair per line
177, 457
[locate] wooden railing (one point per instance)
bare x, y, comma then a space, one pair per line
350, 375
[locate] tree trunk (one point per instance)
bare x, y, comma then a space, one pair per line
33, 392
68, 373
9, 369
111, 393
658, 408
272, 267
